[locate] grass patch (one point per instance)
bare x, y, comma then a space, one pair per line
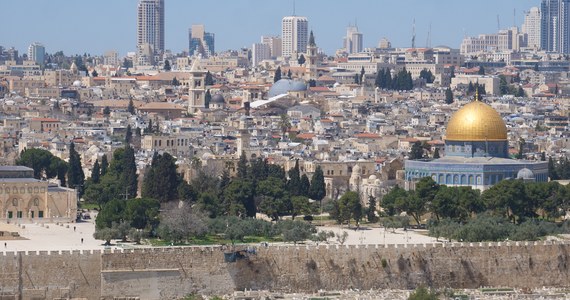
86, 205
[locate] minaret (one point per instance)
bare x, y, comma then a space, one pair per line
197, 87
312, 58
244, 137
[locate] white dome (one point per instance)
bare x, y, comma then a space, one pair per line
525, 174
372, 177
77, 83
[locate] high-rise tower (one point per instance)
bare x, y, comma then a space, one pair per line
294, 34
531, 27
37, 53
200, 41
150, 25
555, 26
353, 40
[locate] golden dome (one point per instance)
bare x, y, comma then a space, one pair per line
476, 121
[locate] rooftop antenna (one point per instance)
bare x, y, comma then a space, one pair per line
414, 34
428, 41
498, 23
293, 7
515, 17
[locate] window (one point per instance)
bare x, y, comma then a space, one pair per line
10, 215
19, 214
36, 202
40, 214
32, 214
15, 202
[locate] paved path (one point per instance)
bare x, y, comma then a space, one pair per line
51, 237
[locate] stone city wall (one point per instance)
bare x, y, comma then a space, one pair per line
166, 273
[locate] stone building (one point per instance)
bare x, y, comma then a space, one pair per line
24, 199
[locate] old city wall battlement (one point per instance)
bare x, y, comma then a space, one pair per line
155, 273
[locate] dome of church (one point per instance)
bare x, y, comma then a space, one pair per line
476, 121
284, 86
217, 98
356, 170
525, 174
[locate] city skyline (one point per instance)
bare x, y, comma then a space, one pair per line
77, 27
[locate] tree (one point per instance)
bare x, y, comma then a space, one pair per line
552, 172
167, 66
209, 79
142, 213
128, 135
422, 293
317, 190
275, 200
44, 164
448, 96
520, 154
239, 198
356, 78
289, 74
300, 205
301, 60
417, 151
350, 207
207, 99
294, 183
181, 224
436, 153
305, 185
75, 176
277, 75
371, 210
131, 107
104, 165
362, 72
175, 82
509, 199
242, 166
161, 180
392, 198
284, 124
96, 172
296, 231
129, 173
94, 73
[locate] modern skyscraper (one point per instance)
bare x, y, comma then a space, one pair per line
531, 27
37, 53
295, 35
259, 52
150, 24
555, 26
200, 41
353, 40
275, 44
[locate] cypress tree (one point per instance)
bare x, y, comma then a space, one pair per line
317, 190
552, 172
242, 166
294, 183
129, 173
129, 135
304, 185
131, 107
104, 165
75, 176
207, 99
161, 180
95, 172
277, 75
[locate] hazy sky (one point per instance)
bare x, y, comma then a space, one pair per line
94, 26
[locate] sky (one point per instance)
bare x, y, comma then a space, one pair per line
96, 26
